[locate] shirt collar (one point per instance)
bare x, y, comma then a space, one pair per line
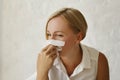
85, 63
86, 57
59, 65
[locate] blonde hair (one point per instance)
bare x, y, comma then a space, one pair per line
75, 19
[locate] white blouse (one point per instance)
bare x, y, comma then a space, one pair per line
86, 70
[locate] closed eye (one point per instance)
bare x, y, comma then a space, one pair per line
48, 34
60, 35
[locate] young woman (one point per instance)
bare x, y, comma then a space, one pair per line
76, 61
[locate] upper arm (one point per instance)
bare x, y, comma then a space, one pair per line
103, 68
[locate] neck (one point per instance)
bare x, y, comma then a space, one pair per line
72, 59
72, 56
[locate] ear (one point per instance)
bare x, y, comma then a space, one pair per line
79, 37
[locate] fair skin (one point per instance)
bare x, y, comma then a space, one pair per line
71, 54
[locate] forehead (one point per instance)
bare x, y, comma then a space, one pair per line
58, 24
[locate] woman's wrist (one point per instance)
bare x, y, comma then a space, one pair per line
42, 75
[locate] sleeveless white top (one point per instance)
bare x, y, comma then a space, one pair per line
86, 70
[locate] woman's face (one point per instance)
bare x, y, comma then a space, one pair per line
59, 29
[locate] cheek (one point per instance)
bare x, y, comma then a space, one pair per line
69, 42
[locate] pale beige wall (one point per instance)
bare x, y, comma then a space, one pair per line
22, 30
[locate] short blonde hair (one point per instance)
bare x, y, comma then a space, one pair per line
75, 19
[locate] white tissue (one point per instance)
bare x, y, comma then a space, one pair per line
56, 42
59, 44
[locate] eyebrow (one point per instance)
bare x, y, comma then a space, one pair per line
57, 31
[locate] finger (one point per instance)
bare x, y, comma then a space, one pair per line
53, 53
45, 48
50, 49
54, 56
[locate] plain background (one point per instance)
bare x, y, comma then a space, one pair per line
23, 25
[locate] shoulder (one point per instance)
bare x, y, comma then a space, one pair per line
102, 58
102, 61
103, 68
